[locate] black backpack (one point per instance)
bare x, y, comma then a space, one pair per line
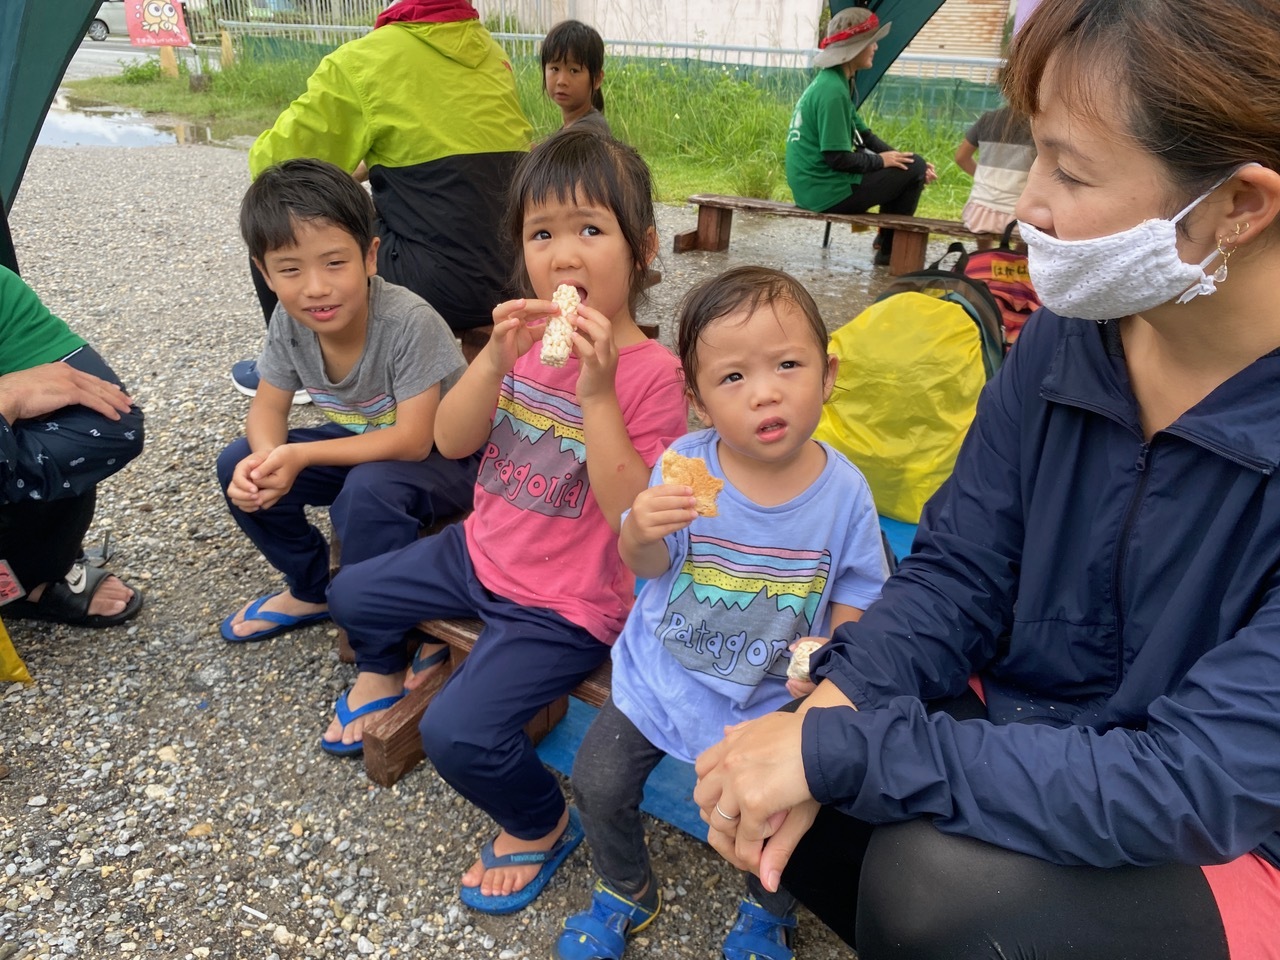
953, 285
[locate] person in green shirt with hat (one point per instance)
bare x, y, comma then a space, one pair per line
835, 163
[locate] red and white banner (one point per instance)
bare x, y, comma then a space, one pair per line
156, 23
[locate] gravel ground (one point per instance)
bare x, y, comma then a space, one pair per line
162, 792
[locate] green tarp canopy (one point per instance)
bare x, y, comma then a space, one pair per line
37, 40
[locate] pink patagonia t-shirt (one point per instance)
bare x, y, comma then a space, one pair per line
537, 536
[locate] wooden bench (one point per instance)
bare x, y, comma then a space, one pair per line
392, 745
911, 234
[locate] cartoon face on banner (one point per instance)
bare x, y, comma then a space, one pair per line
156, 23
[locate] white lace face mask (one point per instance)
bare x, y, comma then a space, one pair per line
1105, 278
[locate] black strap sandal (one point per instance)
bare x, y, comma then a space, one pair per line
67, 601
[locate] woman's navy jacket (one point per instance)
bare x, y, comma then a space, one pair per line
1120, 601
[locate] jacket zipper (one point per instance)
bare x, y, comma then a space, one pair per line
1122, 552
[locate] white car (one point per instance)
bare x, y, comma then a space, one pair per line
110, 18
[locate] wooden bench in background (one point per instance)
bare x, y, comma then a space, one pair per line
911, 234
392, 745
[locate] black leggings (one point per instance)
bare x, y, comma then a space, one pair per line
892, 189
41, 539
909, 891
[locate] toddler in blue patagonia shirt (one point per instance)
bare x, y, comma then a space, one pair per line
792, 549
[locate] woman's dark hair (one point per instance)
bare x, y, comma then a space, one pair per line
572, 41
1196, 85
582, 165
741, 289
303, 190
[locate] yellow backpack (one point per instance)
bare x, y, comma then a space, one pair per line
911, 368
11, 666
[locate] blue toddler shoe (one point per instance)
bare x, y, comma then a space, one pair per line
601, 932
759, 934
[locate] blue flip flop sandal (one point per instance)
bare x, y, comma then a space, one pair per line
420, 663
283, 622
346, 715
550, 861
601, 932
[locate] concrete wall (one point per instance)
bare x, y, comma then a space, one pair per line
753, 23
960, 27
971, 28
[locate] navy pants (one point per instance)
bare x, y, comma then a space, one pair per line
525, 658
374, 507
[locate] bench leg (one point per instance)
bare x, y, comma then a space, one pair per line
343, 644
393, 746
545, 720
907, 255
826, 235
712, 234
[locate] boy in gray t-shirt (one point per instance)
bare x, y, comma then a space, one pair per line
375, 358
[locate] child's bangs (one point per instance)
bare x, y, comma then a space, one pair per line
587, 180
560, 49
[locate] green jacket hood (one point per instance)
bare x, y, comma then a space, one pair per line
465, 41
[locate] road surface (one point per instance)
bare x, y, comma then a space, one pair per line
104, 58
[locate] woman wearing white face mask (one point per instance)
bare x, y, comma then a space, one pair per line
1104, 564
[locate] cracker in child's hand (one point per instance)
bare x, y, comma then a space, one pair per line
557, 339
693, 472
798, 668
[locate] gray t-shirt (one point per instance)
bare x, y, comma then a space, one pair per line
408, 348
593, 120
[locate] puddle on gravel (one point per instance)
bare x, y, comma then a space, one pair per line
72, 122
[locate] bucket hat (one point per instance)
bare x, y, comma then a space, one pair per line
849, 33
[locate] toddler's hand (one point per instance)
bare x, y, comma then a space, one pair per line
803, 687
930, 174
597, 353
517, 324
661, 510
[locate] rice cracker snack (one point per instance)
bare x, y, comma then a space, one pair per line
692, 472
798, 668
557, 338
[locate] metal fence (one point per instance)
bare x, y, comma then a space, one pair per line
328, 23
952, 89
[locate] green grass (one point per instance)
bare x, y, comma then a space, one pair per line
702, 129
